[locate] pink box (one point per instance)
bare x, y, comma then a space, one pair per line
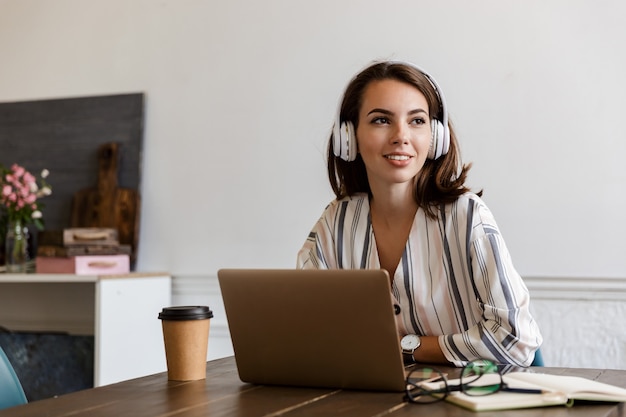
83, 265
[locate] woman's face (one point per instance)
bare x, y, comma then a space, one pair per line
393, 133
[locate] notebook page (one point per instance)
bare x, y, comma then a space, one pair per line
577, 388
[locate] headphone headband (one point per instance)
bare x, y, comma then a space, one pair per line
344, 135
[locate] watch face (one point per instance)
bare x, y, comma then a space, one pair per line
410, 342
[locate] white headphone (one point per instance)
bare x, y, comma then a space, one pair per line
344, 136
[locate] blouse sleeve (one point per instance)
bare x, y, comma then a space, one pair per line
341, 237
316, 253
507, 332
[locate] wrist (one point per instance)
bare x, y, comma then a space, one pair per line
409, 344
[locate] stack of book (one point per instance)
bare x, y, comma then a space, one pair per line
82, 251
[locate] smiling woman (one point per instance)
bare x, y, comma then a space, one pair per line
393, 140
393, 124
402, 205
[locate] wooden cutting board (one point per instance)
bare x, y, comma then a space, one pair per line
108, 205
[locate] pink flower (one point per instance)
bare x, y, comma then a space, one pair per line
19, 191
18, 170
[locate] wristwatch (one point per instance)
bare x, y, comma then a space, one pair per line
409, 343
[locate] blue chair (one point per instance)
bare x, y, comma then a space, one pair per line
538, 361
11, 392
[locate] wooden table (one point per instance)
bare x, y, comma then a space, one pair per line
223, 394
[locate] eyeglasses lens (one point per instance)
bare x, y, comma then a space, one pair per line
480, 377
426, 385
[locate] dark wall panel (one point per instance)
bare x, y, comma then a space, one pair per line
63, 135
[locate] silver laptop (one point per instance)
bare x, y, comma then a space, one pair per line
313, 328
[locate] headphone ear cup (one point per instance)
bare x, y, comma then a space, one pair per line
439, 142
344, 142
351, 143
337, 139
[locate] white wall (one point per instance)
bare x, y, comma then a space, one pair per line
240, 96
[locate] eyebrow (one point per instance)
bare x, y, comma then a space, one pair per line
390, 113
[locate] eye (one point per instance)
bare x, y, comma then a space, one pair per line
418, 121
380, 120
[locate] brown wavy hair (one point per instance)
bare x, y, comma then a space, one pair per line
439, 181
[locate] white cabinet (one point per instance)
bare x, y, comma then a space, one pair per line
120, 311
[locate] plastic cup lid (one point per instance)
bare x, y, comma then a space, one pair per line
186, 313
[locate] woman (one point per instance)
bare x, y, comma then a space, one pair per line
401, 205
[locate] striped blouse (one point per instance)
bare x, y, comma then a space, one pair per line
455, 278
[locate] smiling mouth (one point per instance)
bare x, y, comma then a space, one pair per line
398, 157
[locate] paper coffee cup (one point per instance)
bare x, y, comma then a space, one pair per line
186, 338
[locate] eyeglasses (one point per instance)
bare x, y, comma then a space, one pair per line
479, 377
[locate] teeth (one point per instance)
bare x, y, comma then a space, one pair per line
397, 157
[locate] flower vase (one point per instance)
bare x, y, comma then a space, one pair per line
16, 247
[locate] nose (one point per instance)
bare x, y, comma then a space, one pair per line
401, 135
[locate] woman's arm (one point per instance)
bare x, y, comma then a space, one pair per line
430, 351
507, 332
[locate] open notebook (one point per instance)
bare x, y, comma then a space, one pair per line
314, 328
556, 390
